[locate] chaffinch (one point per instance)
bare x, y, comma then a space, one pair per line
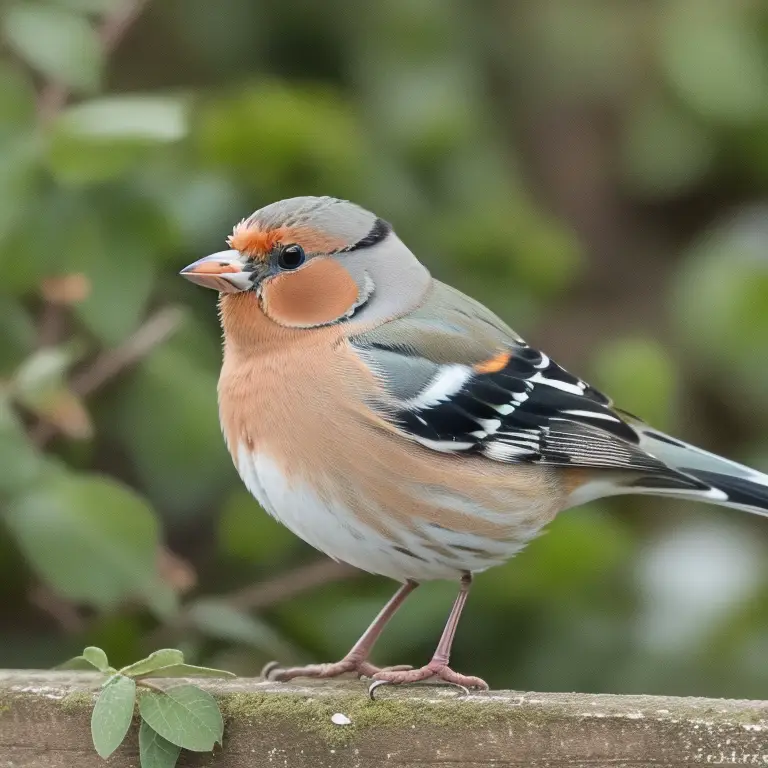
398, 425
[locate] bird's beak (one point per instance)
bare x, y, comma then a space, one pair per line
223, 271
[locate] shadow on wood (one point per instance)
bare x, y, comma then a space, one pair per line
45, 721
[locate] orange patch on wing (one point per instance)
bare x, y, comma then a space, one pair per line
257, 243
318, 294
494, 364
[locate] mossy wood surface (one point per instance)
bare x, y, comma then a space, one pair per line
45, 720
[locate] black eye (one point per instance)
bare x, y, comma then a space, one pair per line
290, 257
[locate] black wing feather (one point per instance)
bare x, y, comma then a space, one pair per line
532, 410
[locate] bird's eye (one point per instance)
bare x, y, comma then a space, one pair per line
291, 257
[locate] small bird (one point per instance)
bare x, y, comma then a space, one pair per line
398, 425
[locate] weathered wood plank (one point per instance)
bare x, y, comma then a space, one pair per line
44, 723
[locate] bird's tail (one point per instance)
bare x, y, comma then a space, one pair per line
701, 476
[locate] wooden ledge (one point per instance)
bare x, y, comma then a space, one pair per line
45, 720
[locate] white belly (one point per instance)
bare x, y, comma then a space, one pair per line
334, 529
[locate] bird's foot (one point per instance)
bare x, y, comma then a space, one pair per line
359, 667
397, 676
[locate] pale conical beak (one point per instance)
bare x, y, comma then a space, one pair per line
221, 271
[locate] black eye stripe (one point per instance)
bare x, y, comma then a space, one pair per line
291, 256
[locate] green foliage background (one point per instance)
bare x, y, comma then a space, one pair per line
594, 171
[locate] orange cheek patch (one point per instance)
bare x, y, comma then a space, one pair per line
255, 242
318, 294
495, 364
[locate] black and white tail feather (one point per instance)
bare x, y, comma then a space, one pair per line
533, 411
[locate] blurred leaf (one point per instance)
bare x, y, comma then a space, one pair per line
150, 119
58, 235
641, 378
168, 421
18, 334
21, 464
122, 285
713, 57
185, 715
91, 6
188, 670
247, 533
720, 301
154, 750
664, 151
576, 550
293, 138
17, 101
155, 660
218, 619
108, 137
97, 657
40, 386
42, 372
90, 538
61, 45
19, 177
112, 715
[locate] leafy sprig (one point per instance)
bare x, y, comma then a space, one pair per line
173, 717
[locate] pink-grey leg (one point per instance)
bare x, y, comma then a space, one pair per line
438, 666
357, 658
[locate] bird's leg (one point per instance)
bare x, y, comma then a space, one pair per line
438, 666
357, 658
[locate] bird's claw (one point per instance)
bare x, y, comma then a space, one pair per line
397, 676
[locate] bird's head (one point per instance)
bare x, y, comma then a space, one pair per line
310, 262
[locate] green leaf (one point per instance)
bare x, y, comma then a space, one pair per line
183, 432
97, 657
90, 538
57, 235
664, 150
91, 6
155, 660
22, 464
716, 60
41, 374
188, 670
185, 715
154, 750
17, 101
77, 664
152, 119
61, 45
18, 335
218, 619
109, 137
118, 301
112, 715
122, 284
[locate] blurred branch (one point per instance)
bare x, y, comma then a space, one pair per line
286, 586
53, 97
61, 610
266, 593
109, 364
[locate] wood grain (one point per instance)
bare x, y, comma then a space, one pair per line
44, 723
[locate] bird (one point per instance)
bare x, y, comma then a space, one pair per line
398, 425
